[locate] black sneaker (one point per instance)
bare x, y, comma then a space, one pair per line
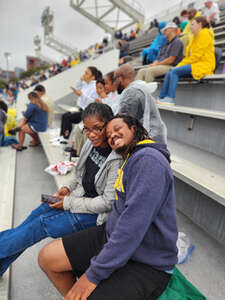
14, 130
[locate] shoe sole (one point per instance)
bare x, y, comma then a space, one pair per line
164, 103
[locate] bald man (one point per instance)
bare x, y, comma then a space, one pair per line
136, 100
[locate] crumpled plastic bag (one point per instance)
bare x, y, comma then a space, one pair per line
60, 168
185, 247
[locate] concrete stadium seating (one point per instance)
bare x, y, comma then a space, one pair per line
7, 179
196, 140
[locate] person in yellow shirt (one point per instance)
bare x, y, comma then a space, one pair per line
187, 34
199, 61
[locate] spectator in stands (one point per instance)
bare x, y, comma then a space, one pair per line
35, 120
125, 37
149, 55
118, 35
3, 118
176, 20
133, 35
184, 19
123, 46
100, 89
84, 202
153, 24
211, 12
113, 97
78, 137
86, 92
199, 62
187, 34
169, 56
105, 41
41, 91
136, 99
133, 255
107, 92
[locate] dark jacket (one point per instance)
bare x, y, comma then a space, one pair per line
142, 225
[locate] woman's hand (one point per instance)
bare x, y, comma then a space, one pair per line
77, 92
57, 205
81, 290
61, 193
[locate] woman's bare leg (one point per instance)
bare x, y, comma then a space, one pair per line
55, 263
27, 130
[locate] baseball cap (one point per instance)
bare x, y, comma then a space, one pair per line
170, 25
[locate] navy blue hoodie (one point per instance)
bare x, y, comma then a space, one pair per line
142, 224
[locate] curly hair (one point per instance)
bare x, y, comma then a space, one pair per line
140, 133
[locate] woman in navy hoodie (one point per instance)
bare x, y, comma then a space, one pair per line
133, 255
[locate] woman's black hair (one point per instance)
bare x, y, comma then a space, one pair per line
3, 106
110, 76
140, 133
102, 111
39, 88
176, 20
102, 81
95, 72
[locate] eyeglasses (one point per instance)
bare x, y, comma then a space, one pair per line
95, 130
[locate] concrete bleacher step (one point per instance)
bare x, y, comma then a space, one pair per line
194, 111
219, 28
219, 35
220, 43
7, 181
68, 108
200, 169
55, 154
205, 268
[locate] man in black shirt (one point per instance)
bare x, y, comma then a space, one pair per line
169, 56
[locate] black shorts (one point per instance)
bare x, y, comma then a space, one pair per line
134, 281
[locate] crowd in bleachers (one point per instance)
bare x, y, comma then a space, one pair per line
183, 50
120, 126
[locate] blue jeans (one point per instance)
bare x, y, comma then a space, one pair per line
41, 223
171, 80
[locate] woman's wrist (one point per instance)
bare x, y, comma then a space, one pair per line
67, 190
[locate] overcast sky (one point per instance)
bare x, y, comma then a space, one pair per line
20, 21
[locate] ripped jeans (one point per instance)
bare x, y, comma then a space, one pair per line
43, 222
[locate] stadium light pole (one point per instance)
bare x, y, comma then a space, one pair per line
7, 56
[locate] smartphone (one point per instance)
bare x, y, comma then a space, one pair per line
49, 199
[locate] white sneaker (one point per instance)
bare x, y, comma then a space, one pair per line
166, 101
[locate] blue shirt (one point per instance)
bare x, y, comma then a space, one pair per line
36, 117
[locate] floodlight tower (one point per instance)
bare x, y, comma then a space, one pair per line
50, 40
37, 49
110, 15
